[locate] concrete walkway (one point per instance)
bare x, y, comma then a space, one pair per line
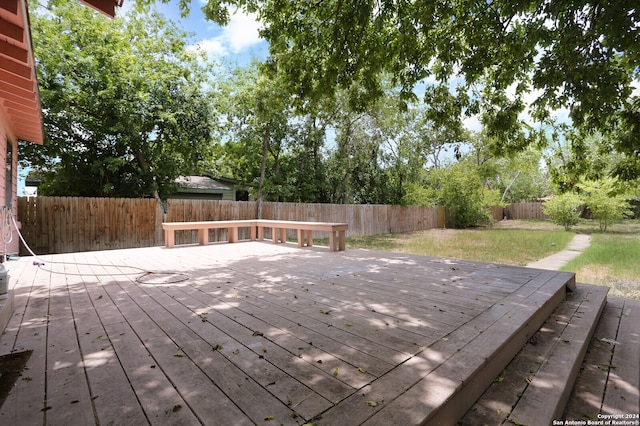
558, 260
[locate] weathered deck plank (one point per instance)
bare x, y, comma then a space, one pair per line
270, 332
26, 402
416, 389
623, 386
167, 345
68, 398
156, 394
591, 384
103, 369
545, 398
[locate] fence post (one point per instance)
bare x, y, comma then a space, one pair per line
442, 217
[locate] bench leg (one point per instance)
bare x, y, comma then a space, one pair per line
300, 238
341, 240
260, 233
203, 237
232, 234
252, 233
332, 240
309, 238
169, 238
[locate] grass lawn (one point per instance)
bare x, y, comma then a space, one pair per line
613, 259
507, 246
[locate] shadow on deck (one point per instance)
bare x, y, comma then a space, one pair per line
266, 334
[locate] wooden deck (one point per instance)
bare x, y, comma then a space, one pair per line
265, 334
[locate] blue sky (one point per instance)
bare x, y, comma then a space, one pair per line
238, 42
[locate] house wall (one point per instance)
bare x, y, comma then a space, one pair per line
11, 245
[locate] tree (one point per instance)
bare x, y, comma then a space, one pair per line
256, 130
519, 176
125, 104
564, 209
355, 170
487, 58
460, 187
582, 55
605, 202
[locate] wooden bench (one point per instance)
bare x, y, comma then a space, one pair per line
337, 231
203, 230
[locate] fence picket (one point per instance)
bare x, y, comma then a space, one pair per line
66, 224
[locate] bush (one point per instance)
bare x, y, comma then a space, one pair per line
463, 192
564, 209
603, 202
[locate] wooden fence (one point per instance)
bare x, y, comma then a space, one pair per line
69, 224
532, 210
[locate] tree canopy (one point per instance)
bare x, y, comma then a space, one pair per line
501, 59
358, 102
124, 103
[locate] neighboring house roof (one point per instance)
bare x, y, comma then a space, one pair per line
19, 95
201, 183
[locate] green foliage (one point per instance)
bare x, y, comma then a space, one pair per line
604, 202
478, 58
576, 156
484, 58
416, 194
564, 209
124, 103
613, 260
506, 246
461, 189
265, 143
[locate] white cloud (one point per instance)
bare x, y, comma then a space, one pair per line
212, 46
240, 34
472, 123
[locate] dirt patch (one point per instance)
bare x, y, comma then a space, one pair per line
11, 367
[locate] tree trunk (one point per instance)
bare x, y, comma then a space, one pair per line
144, 165
508, 188
263, 171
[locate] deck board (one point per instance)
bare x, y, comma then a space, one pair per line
623, 386
67, 392
260, 332
104, 371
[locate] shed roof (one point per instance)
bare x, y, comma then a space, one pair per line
202, 183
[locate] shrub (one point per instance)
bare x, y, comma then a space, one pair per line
564, 209
603, 202
463, 192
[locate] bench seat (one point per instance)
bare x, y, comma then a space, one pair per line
337, 231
